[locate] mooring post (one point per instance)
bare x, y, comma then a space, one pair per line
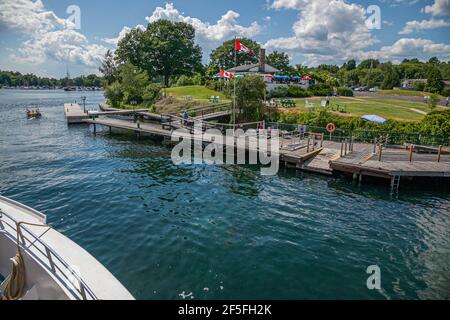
380, 152
342, 148
307, 149
439, 154
410, 152
375, 145
95, 129
110, 129
346, 146
321, 140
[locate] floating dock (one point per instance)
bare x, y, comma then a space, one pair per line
308, 152
74, 113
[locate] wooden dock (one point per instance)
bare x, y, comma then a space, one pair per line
74, 113
311, 152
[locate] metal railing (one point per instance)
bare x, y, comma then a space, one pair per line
369, 136
48, 258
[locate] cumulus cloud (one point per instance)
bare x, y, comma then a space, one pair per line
438, 8
411, 26
409, 48
47, 35
208, 35
125, 30
324, 30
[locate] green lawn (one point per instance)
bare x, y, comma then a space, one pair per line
407, 93
386, 108
196, 92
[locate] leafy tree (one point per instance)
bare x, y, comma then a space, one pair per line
131, 50
391, 79
434, 81
184, 81
133, 81
108, 67
250, 92
172, 50
151, 93
434, 61
433, 101
114, 94
369, 63
165, 49
223, 56
349, 65
279, 60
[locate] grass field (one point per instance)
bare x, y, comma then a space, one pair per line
405, 93
387, 108
196, 92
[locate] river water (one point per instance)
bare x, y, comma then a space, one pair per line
219, 232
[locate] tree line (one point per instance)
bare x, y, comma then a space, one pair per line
17, 79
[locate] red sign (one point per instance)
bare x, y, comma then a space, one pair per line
331, 127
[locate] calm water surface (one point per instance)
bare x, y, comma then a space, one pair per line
218, 232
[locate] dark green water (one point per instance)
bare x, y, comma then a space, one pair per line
219, 232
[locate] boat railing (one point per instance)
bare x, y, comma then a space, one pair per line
47, 257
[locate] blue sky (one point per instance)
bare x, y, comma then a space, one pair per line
39, 36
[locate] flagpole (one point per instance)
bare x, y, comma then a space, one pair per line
234, 83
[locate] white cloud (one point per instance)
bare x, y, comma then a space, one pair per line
29, 16
47, 35
325, 30
125, 30
411, 26
438, 8
409, 48
208, 35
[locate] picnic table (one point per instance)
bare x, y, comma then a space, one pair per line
214, 99
288, 103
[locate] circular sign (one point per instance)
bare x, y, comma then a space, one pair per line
331, 127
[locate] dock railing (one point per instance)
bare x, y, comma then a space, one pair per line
48, 258
368, 136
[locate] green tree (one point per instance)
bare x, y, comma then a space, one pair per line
151, 93
250, 91
133, 81
433, 101
434, 81
223, 56
349, 65
165, 49
279, 60
391, 79
108, 67
131, 50
172, 50
114, 94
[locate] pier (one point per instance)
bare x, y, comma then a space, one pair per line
308, 151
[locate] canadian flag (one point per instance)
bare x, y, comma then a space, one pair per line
241, 47
226, 74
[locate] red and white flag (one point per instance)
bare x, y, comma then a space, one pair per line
241, 47
226, 74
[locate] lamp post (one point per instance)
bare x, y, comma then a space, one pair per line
84, 103
134, 103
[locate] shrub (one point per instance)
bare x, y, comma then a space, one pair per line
279, 92
345, 92
297, 92
433, 101
418, 85
446, 92
321, 90
184, 81
114, 93
151, 93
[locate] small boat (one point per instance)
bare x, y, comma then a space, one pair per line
33, 113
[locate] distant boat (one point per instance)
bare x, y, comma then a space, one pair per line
34, 113
70, 89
